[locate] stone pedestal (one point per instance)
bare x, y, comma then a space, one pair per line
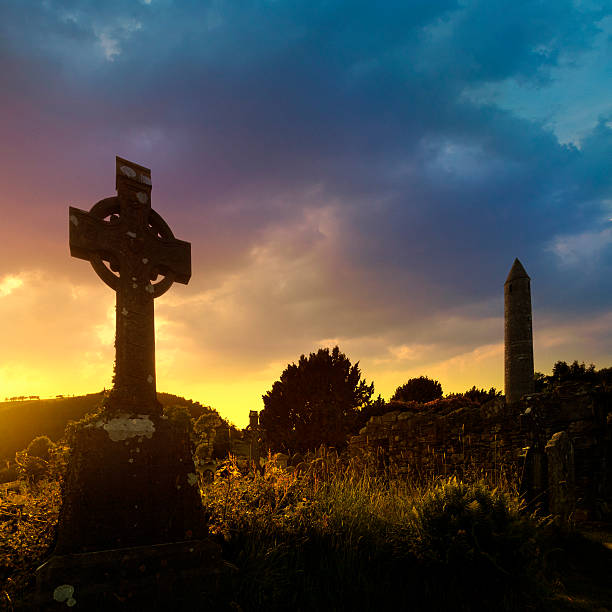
176, 576
131, 481
561, 476
534, 477
132, 530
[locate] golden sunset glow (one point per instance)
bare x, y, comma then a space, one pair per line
60, 336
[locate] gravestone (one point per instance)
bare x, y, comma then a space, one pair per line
254, 455
561, 476
131, 528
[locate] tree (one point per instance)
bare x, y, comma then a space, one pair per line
35, 462
575, 372
480, 396
40, 446
315, 402
421, 389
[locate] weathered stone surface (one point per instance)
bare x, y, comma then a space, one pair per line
131, 477
174, 576
138, 246
131, 501
518, 337
131, 481
254, 451
561, 475
500, 438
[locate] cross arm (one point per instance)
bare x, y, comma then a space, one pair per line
88, 230
89, 240
173, 258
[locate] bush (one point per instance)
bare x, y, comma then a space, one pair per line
318, 401
575, 372
421, 389
481, 396
462, 530
41, 459
40, 447
326, 535
9, 473
27, 532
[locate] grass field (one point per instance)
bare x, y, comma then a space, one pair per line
328, 534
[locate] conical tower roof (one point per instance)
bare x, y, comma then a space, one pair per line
517, 271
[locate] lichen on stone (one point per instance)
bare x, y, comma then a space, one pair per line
64, 592
126, 426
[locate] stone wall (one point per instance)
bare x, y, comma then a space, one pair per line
456, 436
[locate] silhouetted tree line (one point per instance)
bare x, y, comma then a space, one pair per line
322, 400
21, 398
576, 372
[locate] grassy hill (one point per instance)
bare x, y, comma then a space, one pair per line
21, 421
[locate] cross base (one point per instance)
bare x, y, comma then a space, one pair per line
175, 576
131, 481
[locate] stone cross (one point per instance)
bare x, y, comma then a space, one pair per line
129, 246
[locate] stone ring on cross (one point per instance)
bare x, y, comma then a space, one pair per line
106, 263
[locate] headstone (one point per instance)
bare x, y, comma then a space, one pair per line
132, 522
254, 457
534, 478
561, 476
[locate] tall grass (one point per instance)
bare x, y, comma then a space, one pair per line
329, 534
333, 534
28, 519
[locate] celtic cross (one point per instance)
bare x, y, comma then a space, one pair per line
129, 246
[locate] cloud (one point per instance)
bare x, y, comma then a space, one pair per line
9, 283
109, 45
340, 169
581, 249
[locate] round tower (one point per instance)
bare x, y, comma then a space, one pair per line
518, 337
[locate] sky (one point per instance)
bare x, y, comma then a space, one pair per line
351, 173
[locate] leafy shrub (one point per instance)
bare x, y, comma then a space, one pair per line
465, 530
27, 531
421, 389
575, 372
324, 534
481, 396
180, 415
41, 459
9, 473
40, 447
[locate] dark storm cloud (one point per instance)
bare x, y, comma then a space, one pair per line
243, 109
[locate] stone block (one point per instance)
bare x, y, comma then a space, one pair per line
388, 417
172, 576
131, 481
561, 475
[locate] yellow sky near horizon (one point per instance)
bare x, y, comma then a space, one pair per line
64, 345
